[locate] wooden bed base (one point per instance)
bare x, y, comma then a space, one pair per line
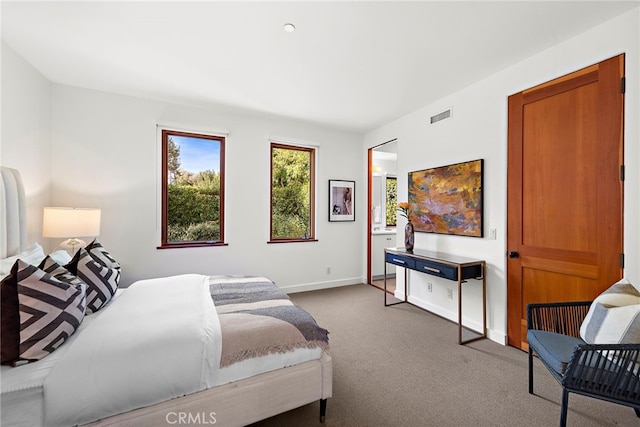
242, 402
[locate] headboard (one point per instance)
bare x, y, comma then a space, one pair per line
13, 213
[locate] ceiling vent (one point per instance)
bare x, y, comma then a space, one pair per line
441, 116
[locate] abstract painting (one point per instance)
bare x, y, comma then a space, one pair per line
447, 199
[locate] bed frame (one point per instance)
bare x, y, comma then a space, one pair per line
242, 402
237, 403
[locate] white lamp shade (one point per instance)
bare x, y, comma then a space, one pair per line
71, 222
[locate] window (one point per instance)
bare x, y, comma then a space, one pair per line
192, 189
292, 193
392, 200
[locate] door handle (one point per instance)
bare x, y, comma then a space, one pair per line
513, 254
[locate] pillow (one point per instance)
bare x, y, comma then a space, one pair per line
101, 281
39, 313
100, 255
61, 257
614, 316
10, 320
51, 267
32, 256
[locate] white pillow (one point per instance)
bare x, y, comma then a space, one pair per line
614, 316
61, 257
33, 256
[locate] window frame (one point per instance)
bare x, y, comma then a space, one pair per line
164, 244
312, 191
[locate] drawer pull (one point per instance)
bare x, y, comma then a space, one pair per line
431, 269
398, 261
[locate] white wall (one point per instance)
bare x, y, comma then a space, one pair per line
478, 129
26, 133
106, 155
77, 147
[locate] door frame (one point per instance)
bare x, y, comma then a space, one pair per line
369, 208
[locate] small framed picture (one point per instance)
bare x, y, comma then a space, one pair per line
342, 200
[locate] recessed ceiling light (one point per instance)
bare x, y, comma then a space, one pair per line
289, 28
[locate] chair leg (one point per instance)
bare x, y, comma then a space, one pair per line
530, 370
323, 409
563, 407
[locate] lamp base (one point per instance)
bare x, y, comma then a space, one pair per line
72, 244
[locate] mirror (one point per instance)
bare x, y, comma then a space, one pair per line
383, 207
384, 191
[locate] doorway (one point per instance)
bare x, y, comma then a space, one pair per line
382, 200
564, 191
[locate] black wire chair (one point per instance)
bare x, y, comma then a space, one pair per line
609, 372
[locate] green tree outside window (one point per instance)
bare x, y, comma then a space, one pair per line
192, 204
392, 200
291, 192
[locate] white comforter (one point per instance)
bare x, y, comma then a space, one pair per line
159, 340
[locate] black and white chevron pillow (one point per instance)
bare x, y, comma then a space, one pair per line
101, 281
49, 266
49, 310
100, 255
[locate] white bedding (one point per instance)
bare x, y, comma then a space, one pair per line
157, 341
22, 391
22, 397
77, 394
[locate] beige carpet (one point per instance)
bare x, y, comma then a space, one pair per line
402, 366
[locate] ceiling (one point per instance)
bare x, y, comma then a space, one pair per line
349, 65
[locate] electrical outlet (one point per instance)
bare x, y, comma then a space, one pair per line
450, 293
429, 287
328, 270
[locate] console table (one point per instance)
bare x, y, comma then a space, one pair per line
448, 267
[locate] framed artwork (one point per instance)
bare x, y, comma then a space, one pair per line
447, 199
342, 200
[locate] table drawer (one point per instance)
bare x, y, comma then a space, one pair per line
437, 269
400, 260
448, 271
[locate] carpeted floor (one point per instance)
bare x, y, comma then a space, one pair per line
402, 366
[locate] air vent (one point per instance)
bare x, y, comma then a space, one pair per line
438, 117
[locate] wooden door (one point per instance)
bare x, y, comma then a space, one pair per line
564, 191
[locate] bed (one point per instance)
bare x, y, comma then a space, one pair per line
219, 358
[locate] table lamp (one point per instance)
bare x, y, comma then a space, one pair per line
71, 223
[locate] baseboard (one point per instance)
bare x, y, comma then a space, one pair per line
322, 285
493, 335
497, 336
440, 311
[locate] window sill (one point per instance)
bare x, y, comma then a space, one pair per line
191, 245
292, 240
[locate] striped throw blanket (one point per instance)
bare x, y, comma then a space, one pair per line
257, 319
